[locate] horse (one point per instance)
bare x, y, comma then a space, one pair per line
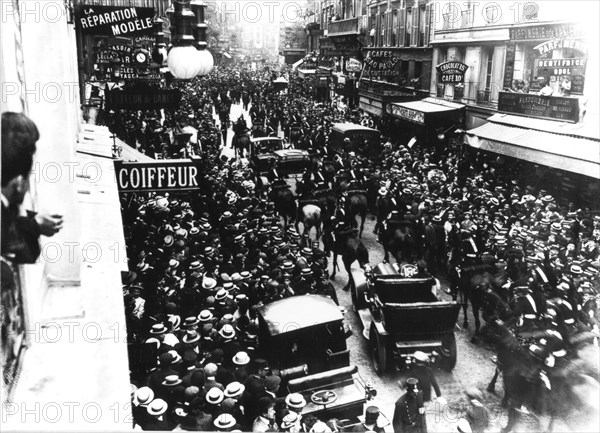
285, 204
355, 203
346, 243
327, 201
309, 215
399, 239
241, 143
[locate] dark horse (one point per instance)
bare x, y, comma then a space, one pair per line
284, 202
355, 204
345, 242
398, 238
241, 140
565, 391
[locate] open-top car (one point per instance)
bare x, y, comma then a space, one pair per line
401, 314
263, 150
304, 338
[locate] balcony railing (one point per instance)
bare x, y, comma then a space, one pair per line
458, 93
484, 97
440, 91
343, 27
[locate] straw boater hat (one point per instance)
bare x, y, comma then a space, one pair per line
157, 407
143, 396
295, 400
224, 421
241, 358
214, 396
234, 389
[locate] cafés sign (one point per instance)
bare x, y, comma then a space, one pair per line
452, 72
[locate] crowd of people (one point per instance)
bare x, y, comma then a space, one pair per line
201, 266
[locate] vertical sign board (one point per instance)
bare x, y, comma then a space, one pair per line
509, 66
165, 175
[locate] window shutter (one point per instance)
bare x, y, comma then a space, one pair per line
378, 30
427, 29
401, 27
414, 37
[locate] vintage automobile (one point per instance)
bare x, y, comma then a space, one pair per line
401, 313
360, 139
263, 150
304, 338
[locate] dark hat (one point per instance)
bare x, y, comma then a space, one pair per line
272, 382
261, 363
371, 414
412, 382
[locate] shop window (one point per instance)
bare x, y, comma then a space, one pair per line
394, 27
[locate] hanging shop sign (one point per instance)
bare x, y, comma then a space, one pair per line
381, 63
143, 99
114, 20
353, 65
166, 175
547, 107
451, 72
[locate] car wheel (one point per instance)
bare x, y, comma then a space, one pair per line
378, 351
449, 351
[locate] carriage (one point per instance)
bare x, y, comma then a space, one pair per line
304, 338
401, 313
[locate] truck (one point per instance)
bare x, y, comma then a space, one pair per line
401, 313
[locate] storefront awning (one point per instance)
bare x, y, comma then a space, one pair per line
578, 155
302, 73
128, 153
297, 64
427, 108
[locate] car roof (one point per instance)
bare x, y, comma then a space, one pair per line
256, 139
343, 127
298, 312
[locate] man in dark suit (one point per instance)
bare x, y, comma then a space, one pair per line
409, 412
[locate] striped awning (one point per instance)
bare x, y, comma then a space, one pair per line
575, 154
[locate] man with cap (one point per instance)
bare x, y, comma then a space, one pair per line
409, 412
370, 423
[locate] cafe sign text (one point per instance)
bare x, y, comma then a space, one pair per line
452, 72
407, 113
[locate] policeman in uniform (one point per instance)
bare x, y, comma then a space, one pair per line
409, 412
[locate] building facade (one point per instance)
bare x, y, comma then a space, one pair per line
520, 69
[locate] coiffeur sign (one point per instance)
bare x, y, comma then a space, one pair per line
165, 175
114, 20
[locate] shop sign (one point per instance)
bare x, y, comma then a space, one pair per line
381, 63
353, 65
557, 44
115, 52
114, 20
569, 72
143, 99
546, 31
166, 175
546, 107
407, 113
452, 72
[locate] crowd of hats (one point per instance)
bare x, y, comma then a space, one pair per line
546, 244
200, 267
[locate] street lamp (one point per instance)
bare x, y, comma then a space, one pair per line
205, 57
188, 57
